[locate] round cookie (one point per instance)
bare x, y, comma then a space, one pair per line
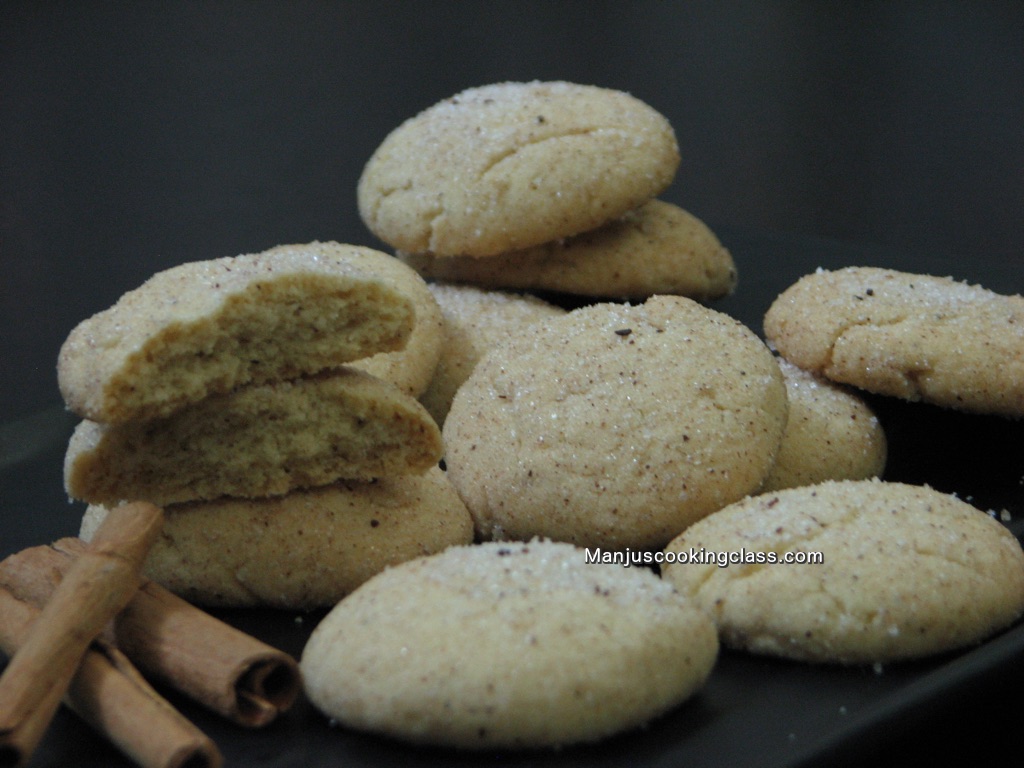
615, 425
259, 441
916, 337
304, 550
906, 572
204, 328
507, 646
412, 367
831, 434
511, 165
657, 248
475, 319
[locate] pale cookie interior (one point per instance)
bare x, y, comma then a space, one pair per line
259, 441
204, 328
412, 367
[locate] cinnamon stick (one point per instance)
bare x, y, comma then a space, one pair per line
172, 641
101, 582
111, 696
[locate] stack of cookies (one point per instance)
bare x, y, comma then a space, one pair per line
227, 392
541, 186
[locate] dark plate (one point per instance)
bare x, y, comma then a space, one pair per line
753, 711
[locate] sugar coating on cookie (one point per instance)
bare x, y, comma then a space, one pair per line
507, 646
475, 319
615, 425
657, 248
916, 337
261, 440
511, 165
907, 571
204, 328
412, 367
831, 434
304, 550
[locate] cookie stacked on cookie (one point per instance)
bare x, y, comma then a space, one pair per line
231, 385
898, 571
541, 186
898, 334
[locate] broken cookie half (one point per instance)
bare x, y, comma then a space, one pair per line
205, 328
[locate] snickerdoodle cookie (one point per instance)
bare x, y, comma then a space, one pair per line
475, 319
657, 248
831, 434
306, 549
507, 166
507, 646
916, 337
205, 328
904, 571
615, 425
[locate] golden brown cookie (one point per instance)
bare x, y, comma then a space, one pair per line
475, 319
915, 337
507, 646
261, 440
904, 571
511, 165
304, 550
657, 248
204, 328
831, 434
615, 425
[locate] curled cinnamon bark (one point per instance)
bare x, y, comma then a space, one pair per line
112, 697
101, 581
173, 642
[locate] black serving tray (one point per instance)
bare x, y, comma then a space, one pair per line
754, 711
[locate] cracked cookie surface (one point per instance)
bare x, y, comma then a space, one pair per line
511, 165
916, 337
907, 571
615, 425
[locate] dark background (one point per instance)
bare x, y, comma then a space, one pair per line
136, 136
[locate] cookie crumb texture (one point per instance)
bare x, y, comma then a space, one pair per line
512, 165
507, 646
916, 337
908, 572
262, 440
615, 425
204, 328
410, 368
